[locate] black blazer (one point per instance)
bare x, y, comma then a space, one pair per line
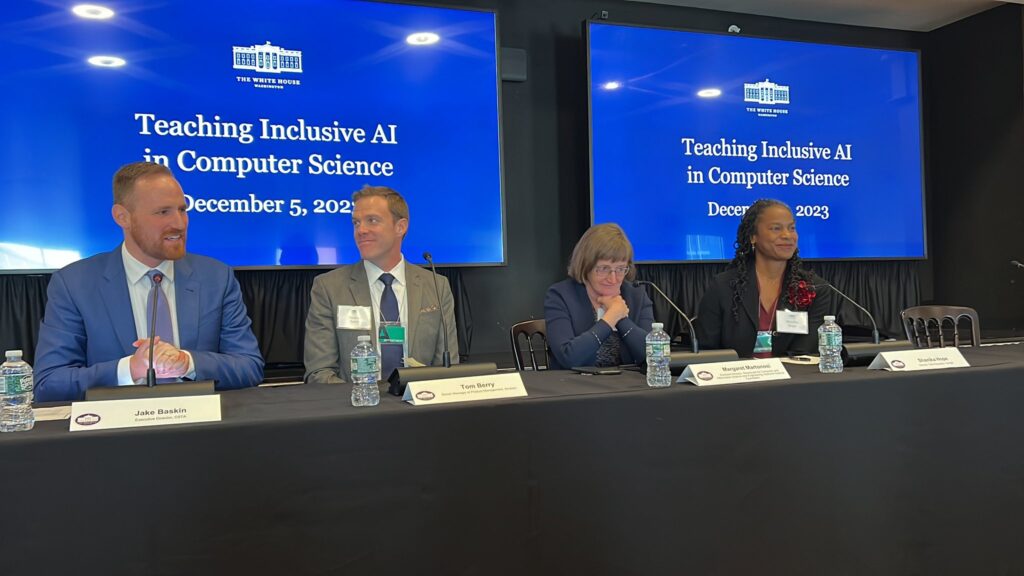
717, 328
573, 334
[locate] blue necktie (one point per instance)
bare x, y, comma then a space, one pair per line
164, 328
391, 354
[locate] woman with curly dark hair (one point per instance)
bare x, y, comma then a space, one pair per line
764, 304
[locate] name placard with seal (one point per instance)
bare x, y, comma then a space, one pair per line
466, 389
137, 412
734, 372
921, 359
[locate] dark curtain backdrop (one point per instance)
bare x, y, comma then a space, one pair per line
277, 301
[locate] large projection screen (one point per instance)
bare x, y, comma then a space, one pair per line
271, 114
689, 128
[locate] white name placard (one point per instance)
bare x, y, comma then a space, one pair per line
921, 359
465, 389
736, 371
107, 414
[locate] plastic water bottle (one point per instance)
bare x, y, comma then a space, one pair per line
830, 347
365, 365
658, 355
16, 394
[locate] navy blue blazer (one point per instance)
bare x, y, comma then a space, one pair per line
88, 326
571, 327
716, 327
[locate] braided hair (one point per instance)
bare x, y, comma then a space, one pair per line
744, 258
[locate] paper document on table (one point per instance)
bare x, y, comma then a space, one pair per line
52, 413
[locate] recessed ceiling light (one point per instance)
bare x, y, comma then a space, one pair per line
613, 85
93, 11
709, 93
107, 61
422, 38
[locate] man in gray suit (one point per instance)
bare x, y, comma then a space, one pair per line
381, 295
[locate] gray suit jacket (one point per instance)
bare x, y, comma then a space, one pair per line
327, 348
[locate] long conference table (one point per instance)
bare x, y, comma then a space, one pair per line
864, 472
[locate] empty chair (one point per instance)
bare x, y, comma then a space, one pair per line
530, 338
929, 326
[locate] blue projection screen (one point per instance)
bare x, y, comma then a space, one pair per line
687, 129
269, 113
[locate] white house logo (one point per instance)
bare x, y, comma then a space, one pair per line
425, 395
766, 92
267, 59
705, 375
898, 364
87, 419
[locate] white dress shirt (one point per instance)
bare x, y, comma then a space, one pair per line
377, 290
139, 286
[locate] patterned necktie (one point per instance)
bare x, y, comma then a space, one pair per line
164, 328
391, 354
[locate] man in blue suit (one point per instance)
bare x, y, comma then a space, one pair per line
95, 329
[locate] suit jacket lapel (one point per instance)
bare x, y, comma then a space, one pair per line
414, 296
186, 303
360, 286
751, 305
118, 302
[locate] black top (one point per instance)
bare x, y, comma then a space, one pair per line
716, 327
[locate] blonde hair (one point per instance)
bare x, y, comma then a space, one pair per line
396, 204
127, 175
601, 242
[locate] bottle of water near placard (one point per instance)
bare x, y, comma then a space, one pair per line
365, 367
659, 352
16, 394
830, 347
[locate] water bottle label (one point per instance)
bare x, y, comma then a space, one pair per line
18, 384
367, 365
658, 350
830, 339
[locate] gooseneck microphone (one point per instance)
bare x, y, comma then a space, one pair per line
446, 357
874, 326
693, 333
151, 371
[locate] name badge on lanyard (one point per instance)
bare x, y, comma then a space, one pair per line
763, 344
391, 333
791, 321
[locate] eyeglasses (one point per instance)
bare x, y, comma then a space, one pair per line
603, 271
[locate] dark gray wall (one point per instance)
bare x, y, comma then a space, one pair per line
974, 79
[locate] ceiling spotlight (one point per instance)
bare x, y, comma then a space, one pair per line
613, 85
422, 38
709, 93
93, 11
107, 61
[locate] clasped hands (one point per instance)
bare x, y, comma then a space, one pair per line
168, 361
615, 309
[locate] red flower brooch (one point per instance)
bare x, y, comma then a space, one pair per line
802, 295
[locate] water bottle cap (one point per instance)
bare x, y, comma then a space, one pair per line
14, 353
830, 318
363, 338
657, 326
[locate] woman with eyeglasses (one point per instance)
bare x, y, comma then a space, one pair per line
765, 303
594, 318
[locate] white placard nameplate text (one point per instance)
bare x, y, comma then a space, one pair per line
922, 359
107, 414
736, 371
466, 389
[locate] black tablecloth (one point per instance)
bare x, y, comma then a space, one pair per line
856, 473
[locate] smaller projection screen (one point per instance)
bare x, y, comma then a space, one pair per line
271, 114
689, 128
